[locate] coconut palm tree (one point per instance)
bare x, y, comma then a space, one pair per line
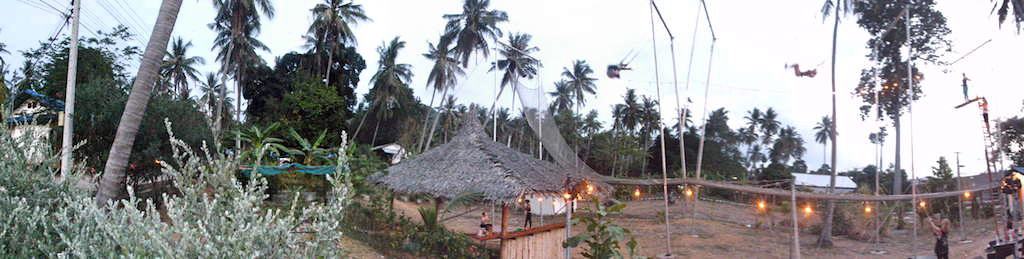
180, 68
391, 76
1003, 9
112, 183
789, 145
650, 122
562, 99
451, 115
770, 126
237, 22
331, 30
517, 63
823, 133
443, 76
580, 81
471, 28
840, 7
209, 90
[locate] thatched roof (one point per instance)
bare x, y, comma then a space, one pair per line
473, 163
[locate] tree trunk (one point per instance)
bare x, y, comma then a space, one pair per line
825, 238
361, 121
426, 121
433, 126
373, 141
238, 111
897, 180
112, 183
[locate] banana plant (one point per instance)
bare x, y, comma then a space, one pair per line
310, 152
261, 138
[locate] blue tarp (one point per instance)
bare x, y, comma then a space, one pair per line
290, 168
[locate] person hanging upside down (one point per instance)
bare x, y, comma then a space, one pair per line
808, 73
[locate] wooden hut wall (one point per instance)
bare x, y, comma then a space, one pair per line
547, 244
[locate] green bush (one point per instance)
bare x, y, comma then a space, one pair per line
214, 217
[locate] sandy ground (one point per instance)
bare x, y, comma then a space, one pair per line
357, 249
724, 231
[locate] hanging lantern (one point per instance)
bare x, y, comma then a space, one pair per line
636, 193
689, 193
808, 211
590, 189
922, 204
867, 209
967, 195
761, 206
567, 196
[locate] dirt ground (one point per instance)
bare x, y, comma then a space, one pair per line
723, 230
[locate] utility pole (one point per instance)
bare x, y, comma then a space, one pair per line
69, 93
959, 187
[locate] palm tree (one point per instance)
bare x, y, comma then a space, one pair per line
517, 63
450, 112
209, 89
789, 145
1002, 8
237, 23
562, 100
471, 28
649, 123
112, 183
389, 79
443, 76
750, 136
840, 7
331, 30
580, 81
181, 68
770, 125
823, 133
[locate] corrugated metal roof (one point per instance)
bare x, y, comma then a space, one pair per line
818, 180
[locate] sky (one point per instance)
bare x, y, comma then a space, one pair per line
755, 40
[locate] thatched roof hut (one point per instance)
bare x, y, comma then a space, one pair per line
473, 163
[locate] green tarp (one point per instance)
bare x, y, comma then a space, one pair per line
289, 168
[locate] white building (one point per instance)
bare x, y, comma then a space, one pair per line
820, 183
32, 121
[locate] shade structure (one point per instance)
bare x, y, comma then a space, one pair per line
474, 164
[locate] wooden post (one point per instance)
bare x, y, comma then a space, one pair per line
794, 252
504, 224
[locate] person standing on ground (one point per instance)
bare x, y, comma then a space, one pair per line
529, 215
941, 232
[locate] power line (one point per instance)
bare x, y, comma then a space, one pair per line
40, 7
123, 15
116, 15
132, 14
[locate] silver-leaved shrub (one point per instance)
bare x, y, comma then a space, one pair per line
215, 216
